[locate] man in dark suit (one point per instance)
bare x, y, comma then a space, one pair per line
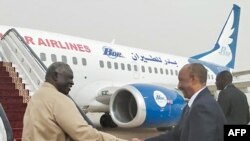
202, 119
232, 101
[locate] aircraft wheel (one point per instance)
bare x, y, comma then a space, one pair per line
106, 121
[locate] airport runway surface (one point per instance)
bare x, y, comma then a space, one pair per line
131, 133
125, 133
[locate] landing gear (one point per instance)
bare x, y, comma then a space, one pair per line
106, 121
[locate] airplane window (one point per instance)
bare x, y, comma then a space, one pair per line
166, 71
176, 72
109, 65
74, 59
171, 72
84, 62
129, 67
149, 69
122, 66
101, 64
142, 68
53, 58
64, 58
161, 70
116, 65
208, 76
212, 76
135, 68
42, 56
156, 71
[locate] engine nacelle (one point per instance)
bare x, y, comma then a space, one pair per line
146, 105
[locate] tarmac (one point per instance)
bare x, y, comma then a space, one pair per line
124, 133
130, 133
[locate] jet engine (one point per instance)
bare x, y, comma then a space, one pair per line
146, 105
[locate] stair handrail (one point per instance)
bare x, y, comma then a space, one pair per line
25, 60
7, 132
42, 65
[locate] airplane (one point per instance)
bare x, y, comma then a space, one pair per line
132, 86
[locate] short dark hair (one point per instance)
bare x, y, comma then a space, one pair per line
198, 70
226, 76
56, 67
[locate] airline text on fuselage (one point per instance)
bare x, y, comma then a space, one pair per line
56, 44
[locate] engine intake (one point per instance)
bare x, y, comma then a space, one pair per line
146, 105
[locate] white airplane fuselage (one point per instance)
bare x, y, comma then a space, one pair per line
89, 78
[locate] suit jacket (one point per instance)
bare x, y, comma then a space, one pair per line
234, 105
52, 116
204, 122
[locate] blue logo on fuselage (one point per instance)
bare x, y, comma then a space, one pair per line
111, 53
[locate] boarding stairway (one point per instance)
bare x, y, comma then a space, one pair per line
13, 97
21, 73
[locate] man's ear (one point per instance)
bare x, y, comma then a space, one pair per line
195, 79
192, 77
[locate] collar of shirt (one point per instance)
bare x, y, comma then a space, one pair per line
190, 102
227, 86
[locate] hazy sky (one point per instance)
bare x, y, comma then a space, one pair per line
181, 27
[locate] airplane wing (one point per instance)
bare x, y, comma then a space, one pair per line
242, 85
240, 73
